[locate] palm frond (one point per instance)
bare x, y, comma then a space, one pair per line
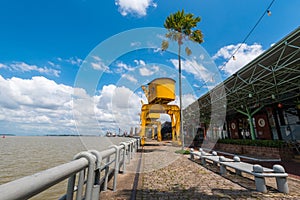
180, 26
188, 51
164, 45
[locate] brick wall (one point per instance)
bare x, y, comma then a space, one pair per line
260, 152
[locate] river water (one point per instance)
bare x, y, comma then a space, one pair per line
23, 156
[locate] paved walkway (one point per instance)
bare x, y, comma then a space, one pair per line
159, 173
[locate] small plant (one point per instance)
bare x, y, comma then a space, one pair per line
262, 143
182, 151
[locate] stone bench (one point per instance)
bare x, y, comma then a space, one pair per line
204, 156
198, 153
259, 172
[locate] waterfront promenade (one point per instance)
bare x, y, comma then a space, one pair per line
157, 172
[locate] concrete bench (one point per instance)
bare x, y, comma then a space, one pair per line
259, 172
204, 156
199, 153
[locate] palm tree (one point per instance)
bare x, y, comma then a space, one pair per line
180, 28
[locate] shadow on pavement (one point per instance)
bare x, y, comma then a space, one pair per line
193, 193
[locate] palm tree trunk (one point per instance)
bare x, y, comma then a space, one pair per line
180, 94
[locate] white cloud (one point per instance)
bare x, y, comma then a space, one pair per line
118, 104
134, 7
36, 105
130, 78
122, 66
2, 65
164, 117
157, 50
97, 58
195, 68
41, 106
244, 55
196, 85
187, 99
135, 44
98, 64
24, 67
149, 70
140, 62
72, 60
51, 63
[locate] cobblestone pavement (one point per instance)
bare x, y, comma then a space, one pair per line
163, 174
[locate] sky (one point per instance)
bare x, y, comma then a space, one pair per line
77, 66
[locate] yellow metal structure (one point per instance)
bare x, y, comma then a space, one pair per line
151, 120
159, 93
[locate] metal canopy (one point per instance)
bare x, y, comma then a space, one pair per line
272, 77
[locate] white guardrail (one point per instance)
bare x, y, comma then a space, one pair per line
86, 168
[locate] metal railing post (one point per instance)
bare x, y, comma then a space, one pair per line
106, 174
134, 145
91, 175
130, 149
96, 186
135, 142
124, 155
139, 143
80, 185
70, 188
117, 159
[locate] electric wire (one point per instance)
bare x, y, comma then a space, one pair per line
248, 35
266, 11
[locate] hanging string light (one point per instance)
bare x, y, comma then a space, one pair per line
247, 36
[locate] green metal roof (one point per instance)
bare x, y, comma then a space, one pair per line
274, 76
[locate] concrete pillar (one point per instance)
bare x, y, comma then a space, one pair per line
260, 182
281, 182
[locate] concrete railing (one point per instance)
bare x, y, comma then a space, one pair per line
86, 168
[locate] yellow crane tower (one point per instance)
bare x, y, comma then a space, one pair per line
159, 92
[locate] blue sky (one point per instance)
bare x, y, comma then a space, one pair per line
46, 47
